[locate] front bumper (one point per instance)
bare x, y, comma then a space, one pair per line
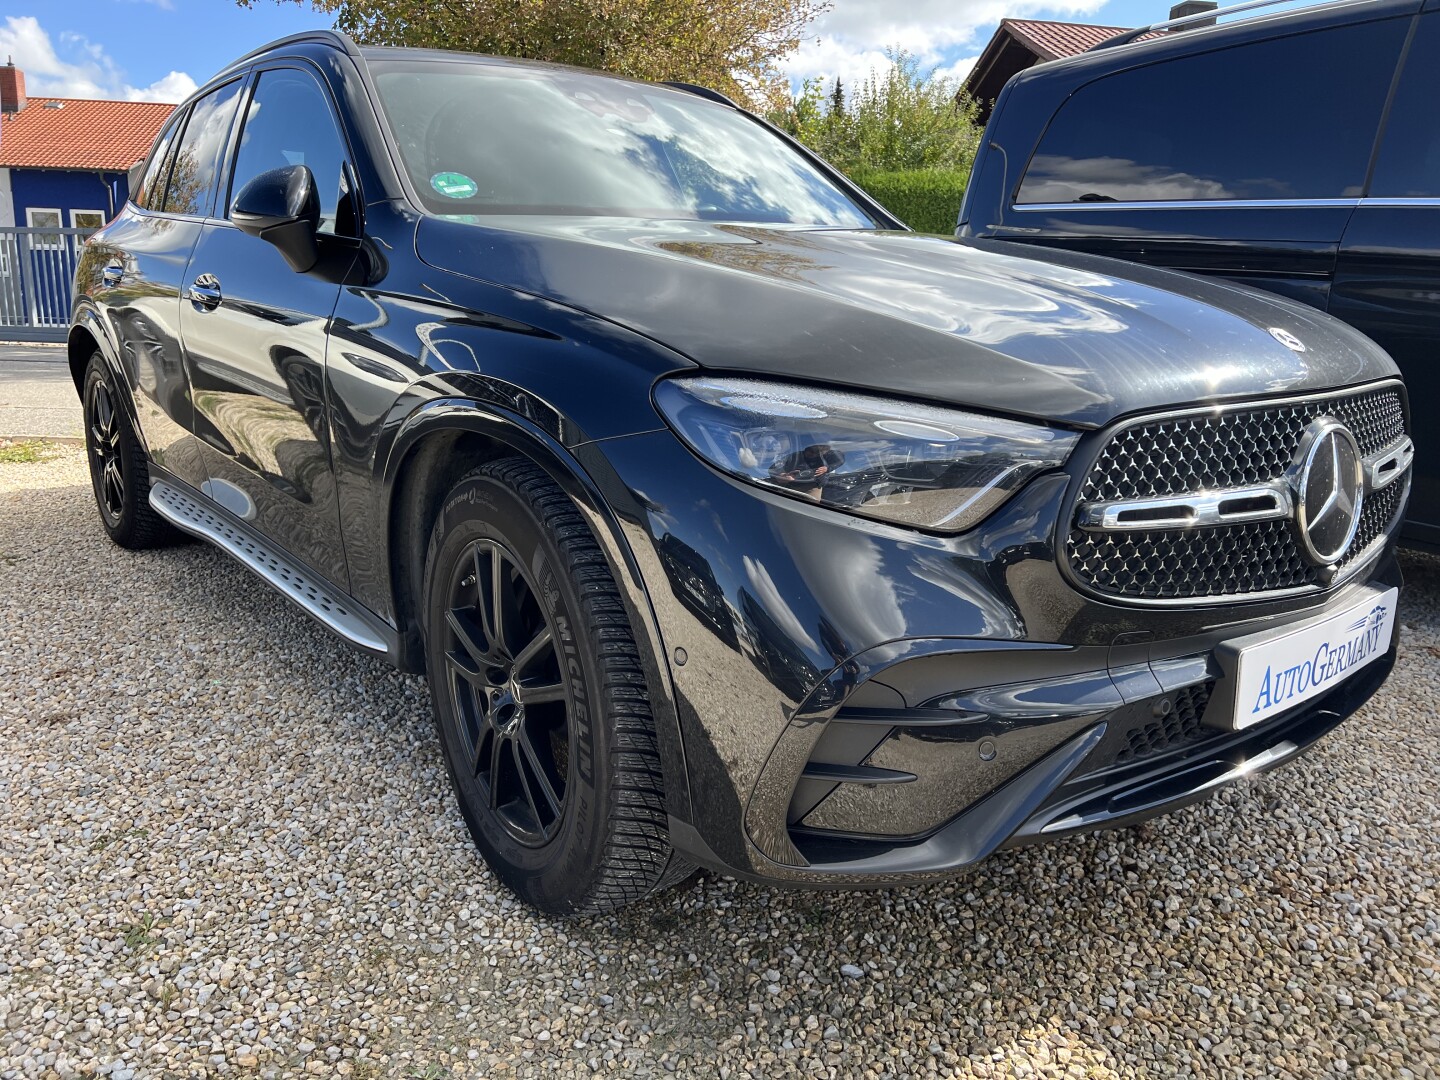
861, 705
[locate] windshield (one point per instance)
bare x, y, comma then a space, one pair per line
478, 138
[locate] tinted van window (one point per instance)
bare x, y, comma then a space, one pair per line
1288, 118
1409, 162
192, 177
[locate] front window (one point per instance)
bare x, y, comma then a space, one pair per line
288, 122
480, 138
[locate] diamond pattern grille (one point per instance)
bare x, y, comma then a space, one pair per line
1244, 446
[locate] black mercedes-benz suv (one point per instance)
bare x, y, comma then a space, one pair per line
732, 523
1296, 152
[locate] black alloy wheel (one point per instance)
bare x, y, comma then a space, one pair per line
119, 469
541, 702
102, 430
510, 704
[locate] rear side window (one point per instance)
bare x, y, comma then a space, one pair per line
1289, 118
1409, 162
152, 188
197, 159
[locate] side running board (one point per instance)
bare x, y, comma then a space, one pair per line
313, 596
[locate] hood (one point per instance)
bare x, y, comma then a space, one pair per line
1058, 336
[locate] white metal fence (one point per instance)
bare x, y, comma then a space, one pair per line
37, 279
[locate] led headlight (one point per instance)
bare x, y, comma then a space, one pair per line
915, 465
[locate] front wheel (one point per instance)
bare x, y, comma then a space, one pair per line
540, 700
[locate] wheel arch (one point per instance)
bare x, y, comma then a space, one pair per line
439, 443
87, 337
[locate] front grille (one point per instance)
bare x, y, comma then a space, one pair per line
1181, 726
1244, 446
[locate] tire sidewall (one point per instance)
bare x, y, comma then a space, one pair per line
557, 875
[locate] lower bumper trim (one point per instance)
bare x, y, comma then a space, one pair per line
973, 835
1193, 783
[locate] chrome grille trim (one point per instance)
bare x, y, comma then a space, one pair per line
1231, 506
1187, 457
1385, 468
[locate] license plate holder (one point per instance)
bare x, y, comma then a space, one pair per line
1273, 671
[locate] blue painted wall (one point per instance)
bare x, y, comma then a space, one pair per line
66, 190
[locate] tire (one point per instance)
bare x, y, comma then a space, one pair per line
119, 470
545, 723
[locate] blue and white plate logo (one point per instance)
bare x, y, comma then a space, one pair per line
1275, 675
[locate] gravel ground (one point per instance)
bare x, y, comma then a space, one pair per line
227, 847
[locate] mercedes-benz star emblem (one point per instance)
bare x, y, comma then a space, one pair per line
1286, 338
1328, 478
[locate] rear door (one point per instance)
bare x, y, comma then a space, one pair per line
146, 251
1244, 162
255, 331
1387, 283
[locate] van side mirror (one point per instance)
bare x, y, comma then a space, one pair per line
282, 208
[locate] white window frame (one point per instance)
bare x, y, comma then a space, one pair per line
30, 212
76, 225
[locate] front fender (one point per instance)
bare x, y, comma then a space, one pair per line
441, 420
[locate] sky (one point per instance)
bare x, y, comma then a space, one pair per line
159, 50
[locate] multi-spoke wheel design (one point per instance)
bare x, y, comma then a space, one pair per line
509, 692
119, 468
103, 429
541, 701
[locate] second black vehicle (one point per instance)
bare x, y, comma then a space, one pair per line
732, 523
1296, 152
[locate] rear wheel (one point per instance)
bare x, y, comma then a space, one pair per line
119, 472
541, 704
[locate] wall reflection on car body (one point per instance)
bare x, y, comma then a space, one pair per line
144, 311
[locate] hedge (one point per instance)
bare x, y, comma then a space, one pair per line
928, 200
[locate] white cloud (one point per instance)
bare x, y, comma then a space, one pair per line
850, 40
829, 58
176, 86
79, 68
957, 69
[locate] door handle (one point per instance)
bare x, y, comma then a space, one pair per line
205, 292
112, 274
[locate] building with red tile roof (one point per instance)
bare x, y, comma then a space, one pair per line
63, 161
1018, 44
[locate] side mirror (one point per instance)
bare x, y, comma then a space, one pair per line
133, 178
281, 208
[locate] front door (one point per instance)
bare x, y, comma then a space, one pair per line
255, 334
1387, 282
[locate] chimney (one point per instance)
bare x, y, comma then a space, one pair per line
12, 88
1193, 7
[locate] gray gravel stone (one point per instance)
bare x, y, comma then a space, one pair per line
227, 848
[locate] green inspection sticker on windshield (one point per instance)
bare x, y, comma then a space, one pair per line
454, 185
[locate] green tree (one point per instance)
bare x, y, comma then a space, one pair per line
901, 119
733, 46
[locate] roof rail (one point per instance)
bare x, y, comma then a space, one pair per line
333, 38
702, 91
1188, 20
